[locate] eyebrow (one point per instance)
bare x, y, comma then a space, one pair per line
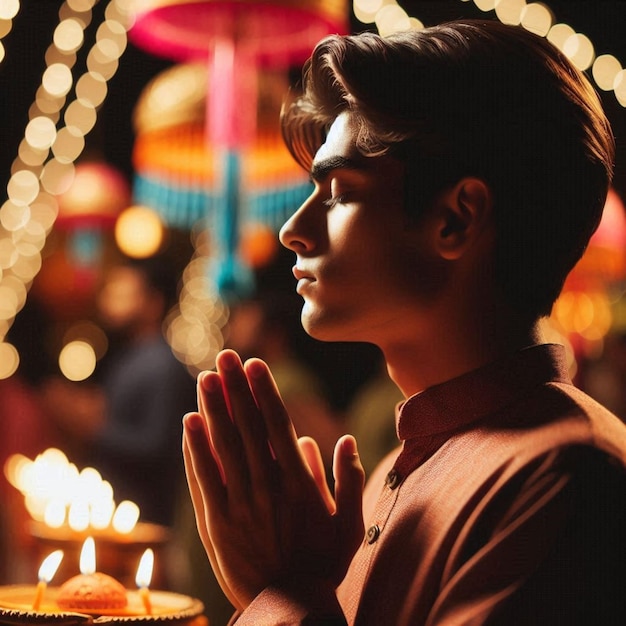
321, 169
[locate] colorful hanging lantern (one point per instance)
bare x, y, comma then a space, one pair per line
88, 208
234, 39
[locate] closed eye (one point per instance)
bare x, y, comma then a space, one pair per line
335, 200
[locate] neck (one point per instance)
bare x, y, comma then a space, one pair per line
425, 359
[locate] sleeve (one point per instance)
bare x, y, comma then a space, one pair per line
311, 604
557, 557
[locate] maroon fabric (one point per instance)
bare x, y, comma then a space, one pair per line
505, 505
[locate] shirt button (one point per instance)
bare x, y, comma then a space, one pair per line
373, 532
393, 479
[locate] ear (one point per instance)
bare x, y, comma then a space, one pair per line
464, 212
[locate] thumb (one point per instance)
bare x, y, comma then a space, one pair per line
349, 480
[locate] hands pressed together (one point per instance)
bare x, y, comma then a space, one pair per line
263, 508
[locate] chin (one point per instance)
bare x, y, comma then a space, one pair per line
324, 326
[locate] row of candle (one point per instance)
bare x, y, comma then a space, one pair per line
50, 565
58, 494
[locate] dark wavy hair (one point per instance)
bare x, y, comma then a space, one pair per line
474, 98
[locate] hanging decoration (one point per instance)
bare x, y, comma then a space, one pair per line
234, 40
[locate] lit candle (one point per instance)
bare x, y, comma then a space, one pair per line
125, 517
143, 578
47, 570
88, 557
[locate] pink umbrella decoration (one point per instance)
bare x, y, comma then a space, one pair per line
235, 39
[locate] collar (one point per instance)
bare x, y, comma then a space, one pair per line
477, 394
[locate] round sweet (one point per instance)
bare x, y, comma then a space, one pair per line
92, 591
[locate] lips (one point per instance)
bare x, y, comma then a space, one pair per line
301, 274
304, 279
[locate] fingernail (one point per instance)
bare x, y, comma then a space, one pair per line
349, 446
211, 381
229, 360
192, 421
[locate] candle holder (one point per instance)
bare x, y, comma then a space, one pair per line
167, 608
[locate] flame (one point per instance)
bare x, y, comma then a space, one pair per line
50, 565
125, 517
88, 557
57, 494
144, 571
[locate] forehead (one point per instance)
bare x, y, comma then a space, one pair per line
340, 140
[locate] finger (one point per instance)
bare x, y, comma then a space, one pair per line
201, 466
225, 440
312, 455
280, 430
349, 481
247, 419
202, 518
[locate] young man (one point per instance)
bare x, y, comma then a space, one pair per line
459, 173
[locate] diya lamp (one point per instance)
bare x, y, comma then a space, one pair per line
91, 590
93, 597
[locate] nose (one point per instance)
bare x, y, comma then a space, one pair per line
298, 232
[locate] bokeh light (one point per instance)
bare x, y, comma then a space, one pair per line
77, 360
139, 232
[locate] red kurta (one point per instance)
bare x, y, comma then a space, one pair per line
506, 505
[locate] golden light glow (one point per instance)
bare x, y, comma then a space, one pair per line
68, 35
54, 513
392, 18
78, 515
144, 569
9, 359
40, 133
485, 5
9, 9
92, 88
57, 80
89, 332
68, 145
510, 11
579, 49
125, 517
88, 557
605, 69
57, 176
619, 85
77, 360
537, 18
50, 565
80, 116
139, 232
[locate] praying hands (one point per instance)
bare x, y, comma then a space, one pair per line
263, 508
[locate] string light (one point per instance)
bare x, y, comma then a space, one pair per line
8, 10
44, 166
606, 70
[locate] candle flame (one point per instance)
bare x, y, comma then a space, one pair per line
144, 571
125, 517
50, 565
88, 557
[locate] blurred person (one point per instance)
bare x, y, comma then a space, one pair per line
459, 173
125, 421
